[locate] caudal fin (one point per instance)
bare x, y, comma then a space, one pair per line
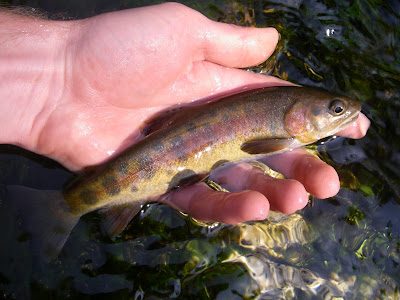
46, 216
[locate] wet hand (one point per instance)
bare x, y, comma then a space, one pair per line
123, 67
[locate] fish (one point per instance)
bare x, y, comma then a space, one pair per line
179, 149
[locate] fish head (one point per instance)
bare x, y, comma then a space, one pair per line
318, 114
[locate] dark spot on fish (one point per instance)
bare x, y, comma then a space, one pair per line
89, 197
226, 118
110, 183
143, 162
316, 111
145, 165
148, 173
208, 129
134, 188
248, 110
185, 178
123, 167
232, 108
177, 141
158, 146
190, 126
212, 113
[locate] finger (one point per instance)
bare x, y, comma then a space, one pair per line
358, 129
318, 178
284, 195
235, 46
205, 204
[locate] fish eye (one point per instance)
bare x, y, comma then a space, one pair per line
337, 107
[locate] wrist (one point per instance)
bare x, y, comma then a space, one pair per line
32, 68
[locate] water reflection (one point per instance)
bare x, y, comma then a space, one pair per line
347, 246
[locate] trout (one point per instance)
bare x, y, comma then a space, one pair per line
186, 144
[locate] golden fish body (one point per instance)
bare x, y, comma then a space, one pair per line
197, 138
190, 142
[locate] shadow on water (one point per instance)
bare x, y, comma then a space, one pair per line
346, 246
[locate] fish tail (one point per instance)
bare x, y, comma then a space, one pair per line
45, 216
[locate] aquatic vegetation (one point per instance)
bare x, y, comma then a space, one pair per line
346, 247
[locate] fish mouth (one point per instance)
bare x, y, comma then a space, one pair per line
350, 120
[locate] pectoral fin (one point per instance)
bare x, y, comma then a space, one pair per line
267, 146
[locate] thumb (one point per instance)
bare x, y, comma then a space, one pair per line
234, 46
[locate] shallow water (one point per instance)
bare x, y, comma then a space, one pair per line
347, 246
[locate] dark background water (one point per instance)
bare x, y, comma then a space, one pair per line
347, 246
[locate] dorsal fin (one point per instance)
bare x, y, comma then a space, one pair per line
161, 120
182, 113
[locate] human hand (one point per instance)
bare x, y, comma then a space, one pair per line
121, 68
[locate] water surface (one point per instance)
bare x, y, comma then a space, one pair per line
346, 246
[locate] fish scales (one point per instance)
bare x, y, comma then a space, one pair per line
193, 143
213, 137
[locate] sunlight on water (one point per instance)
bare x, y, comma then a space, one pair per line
345, 247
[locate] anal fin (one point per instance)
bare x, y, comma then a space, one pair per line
117, 217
